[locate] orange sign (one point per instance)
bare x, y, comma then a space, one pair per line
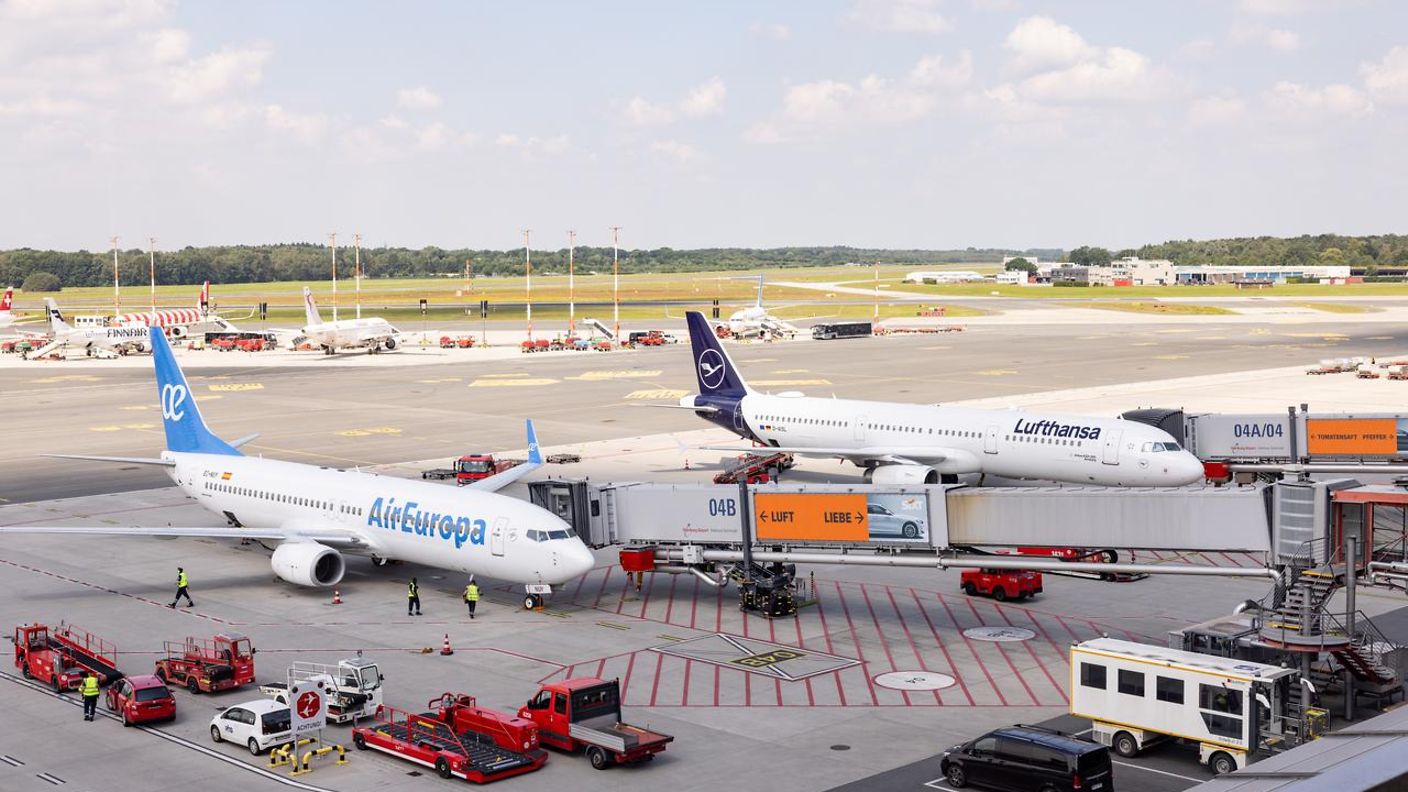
817, 517
1351, 437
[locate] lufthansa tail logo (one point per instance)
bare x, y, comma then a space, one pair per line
711, 369
172, 399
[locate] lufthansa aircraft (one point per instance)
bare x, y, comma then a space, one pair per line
900, 444
317, 513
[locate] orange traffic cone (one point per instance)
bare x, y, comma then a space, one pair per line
336, 597
446, 650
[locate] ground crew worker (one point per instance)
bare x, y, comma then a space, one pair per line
471, 596
413, 598
89, 688
181, 583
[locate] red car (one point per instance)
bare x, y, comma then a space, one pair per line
1001, 584
141, 699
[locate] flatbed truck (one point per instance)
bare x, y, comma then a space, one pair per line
585, 714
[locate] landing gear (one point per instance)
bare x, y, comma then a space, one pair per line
378, 561
537, 596
532, 602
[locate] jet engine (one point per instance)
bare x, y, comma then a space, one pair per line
901, 475
308, 564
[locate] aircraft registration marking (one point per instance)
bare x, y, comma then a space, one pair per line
510, 383
660, 393
237, 386
592, 376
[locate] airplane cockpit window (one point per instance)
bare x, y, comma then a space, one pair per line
558, 534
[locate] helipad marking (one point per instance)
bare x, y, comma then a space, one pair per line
597, 376
511, 383
237, 386
785, 382
788, 663
915, 680
999, 634
661, 393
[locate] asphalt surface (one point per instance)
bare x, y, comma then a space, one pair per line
335, 412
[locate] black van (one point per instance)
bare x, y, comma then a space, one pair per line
1029, 759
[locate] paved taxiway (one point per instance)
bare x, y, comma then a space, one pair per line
828, 730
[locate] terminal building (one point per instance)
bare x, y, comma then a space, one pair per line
1134, 271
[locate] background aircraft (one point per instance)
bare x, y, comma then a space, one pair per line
754, 321
372, 333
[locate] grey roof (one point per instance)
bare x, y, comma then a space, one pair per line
1358, 756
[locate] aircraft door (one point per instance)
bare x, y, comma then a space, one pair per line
496, 536
1111, 454
860, 428
990, 440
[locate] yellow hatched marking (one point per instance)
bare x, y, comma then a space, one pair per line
105, 428
139, 426
509, 383
782, 382
438, 381
137, 407
1145, 343
1170, 357
68, 378
995, 372
371, 430
237, 386
791, 371
661, 393
592, 376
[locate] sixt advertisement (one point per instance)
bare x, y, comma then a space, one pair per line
841, 517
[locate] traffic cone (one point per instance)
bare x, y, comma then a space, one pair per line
336, 597
446, 650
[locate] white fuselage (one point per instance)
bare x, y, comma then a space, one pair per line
479, 533
346, 333
1007, 443
109, 338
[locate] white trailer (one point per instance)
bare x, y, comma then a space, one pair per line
356, 683
1136, 694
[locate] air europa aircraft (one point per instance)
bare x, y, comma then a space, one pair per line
316, 513
901, 444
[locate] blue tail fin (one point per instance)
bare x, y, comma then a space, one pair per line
185, 429
716, 373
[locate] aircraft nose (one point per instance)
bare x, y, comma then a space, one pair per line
577, 559
1189, 468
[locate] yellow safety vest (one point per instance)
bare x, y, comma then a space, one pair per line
412, 591
89, 686
471, 593
181, 581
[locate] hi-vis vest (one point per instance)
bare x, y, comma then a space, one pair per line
471, 593
412, 591
181, 581
89, 686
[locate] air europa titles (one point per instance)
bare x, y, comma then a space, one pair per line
410, 519
1054, 429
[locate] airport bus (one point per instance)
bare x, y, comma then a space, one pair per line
841, 330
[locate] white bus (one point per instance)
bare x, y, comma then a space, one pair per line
1136, 694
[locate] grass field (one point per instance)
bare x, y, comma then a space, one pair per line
1187, 309
1283, 292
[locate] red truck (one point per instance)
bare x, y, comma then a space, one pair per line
1001, 584
459, 738
586, 714
223, 662
471, 468
63, 656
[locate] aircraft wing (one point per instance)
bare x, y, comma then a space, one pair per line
333, 538
895, 454
120, 460
498, 481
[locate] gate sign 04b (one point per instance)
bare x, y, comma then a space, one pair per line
823, 517
308, 704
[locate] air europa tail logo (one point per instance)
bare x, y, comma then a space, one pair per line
1055, 429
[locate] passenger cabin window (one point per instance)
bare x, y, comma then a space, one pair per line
1170, 690
1220, 699
1131, 683
1092, 676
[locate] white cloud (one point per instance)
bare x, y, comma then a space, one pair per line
1217, 110
934, 71
705, 99
764, 133
1304, 102
168, 44
900, 16
1040, 42
1387, 80
210, 76
641, 112
682, 153
432, 136
418, 98
393, 122
306, 128
533, 147
772, 30
873, 99
1275, 7
1119, 75
995, 5
1196, 50
1261, 35
41, 106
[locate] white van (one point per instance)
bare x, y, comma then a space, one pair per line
258, 725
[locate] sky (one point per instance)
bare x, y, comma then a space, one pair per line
875, 123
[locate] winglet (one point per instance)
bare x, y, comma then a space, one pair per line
535, 457
185, 429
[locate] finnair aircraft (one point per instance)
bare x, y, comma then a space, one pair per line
902, 444
105, 340
317, 513
372, 333
7, 317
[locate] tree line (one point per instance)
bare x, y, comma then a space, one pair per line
1361, 252
313, 262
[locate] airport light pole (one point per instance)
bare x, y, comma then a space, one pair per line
332, 243
151, 263
528, 278
877, 292
616, 282
357, 273
571, 284
116, 287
